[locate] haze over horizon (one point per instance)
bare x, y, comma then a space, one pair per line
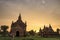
37, 13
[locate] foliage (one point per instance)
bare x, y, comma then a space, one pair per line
31, 33
4, 30
28, 38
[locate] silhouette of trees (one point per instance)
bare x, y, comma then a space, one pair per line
32, 32
4, 30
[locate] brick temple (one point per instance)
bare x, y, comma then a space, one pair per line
18, 28
49, 32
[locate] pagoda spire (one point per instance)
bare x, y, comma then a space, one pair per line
50, 26
19, 18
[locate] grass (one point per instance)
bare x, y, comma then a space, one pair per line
28, 38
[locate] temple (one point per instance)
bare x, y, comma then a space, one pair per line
18, 28
48, 32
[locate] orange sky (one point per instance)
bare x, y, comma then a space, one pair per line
37, 13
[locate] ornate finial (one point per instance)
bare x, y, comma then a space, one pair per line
12, 22
40, 29
25, 22
44, 26
49, 25
19, 18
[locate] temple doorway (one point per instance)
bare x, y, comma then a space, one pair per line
17, 33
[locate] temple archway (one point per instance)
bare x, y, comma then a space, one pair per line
17, 33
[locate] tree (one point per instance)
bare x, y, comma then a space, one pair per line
4, 30
32, 33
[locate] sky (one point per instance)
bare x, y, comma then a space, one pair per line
37, 13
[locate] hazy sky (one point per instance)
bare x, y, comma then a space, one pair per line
37, 13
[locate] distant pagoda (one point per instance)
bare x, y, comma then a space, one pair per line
48, 32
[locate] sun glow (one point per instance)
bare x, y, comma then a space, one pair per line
37, 13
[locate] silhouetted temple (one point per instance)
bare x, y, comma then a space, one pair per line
18, 28
48, 32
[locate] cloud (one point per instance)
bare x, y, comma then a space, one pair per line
7, 7
35, 11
